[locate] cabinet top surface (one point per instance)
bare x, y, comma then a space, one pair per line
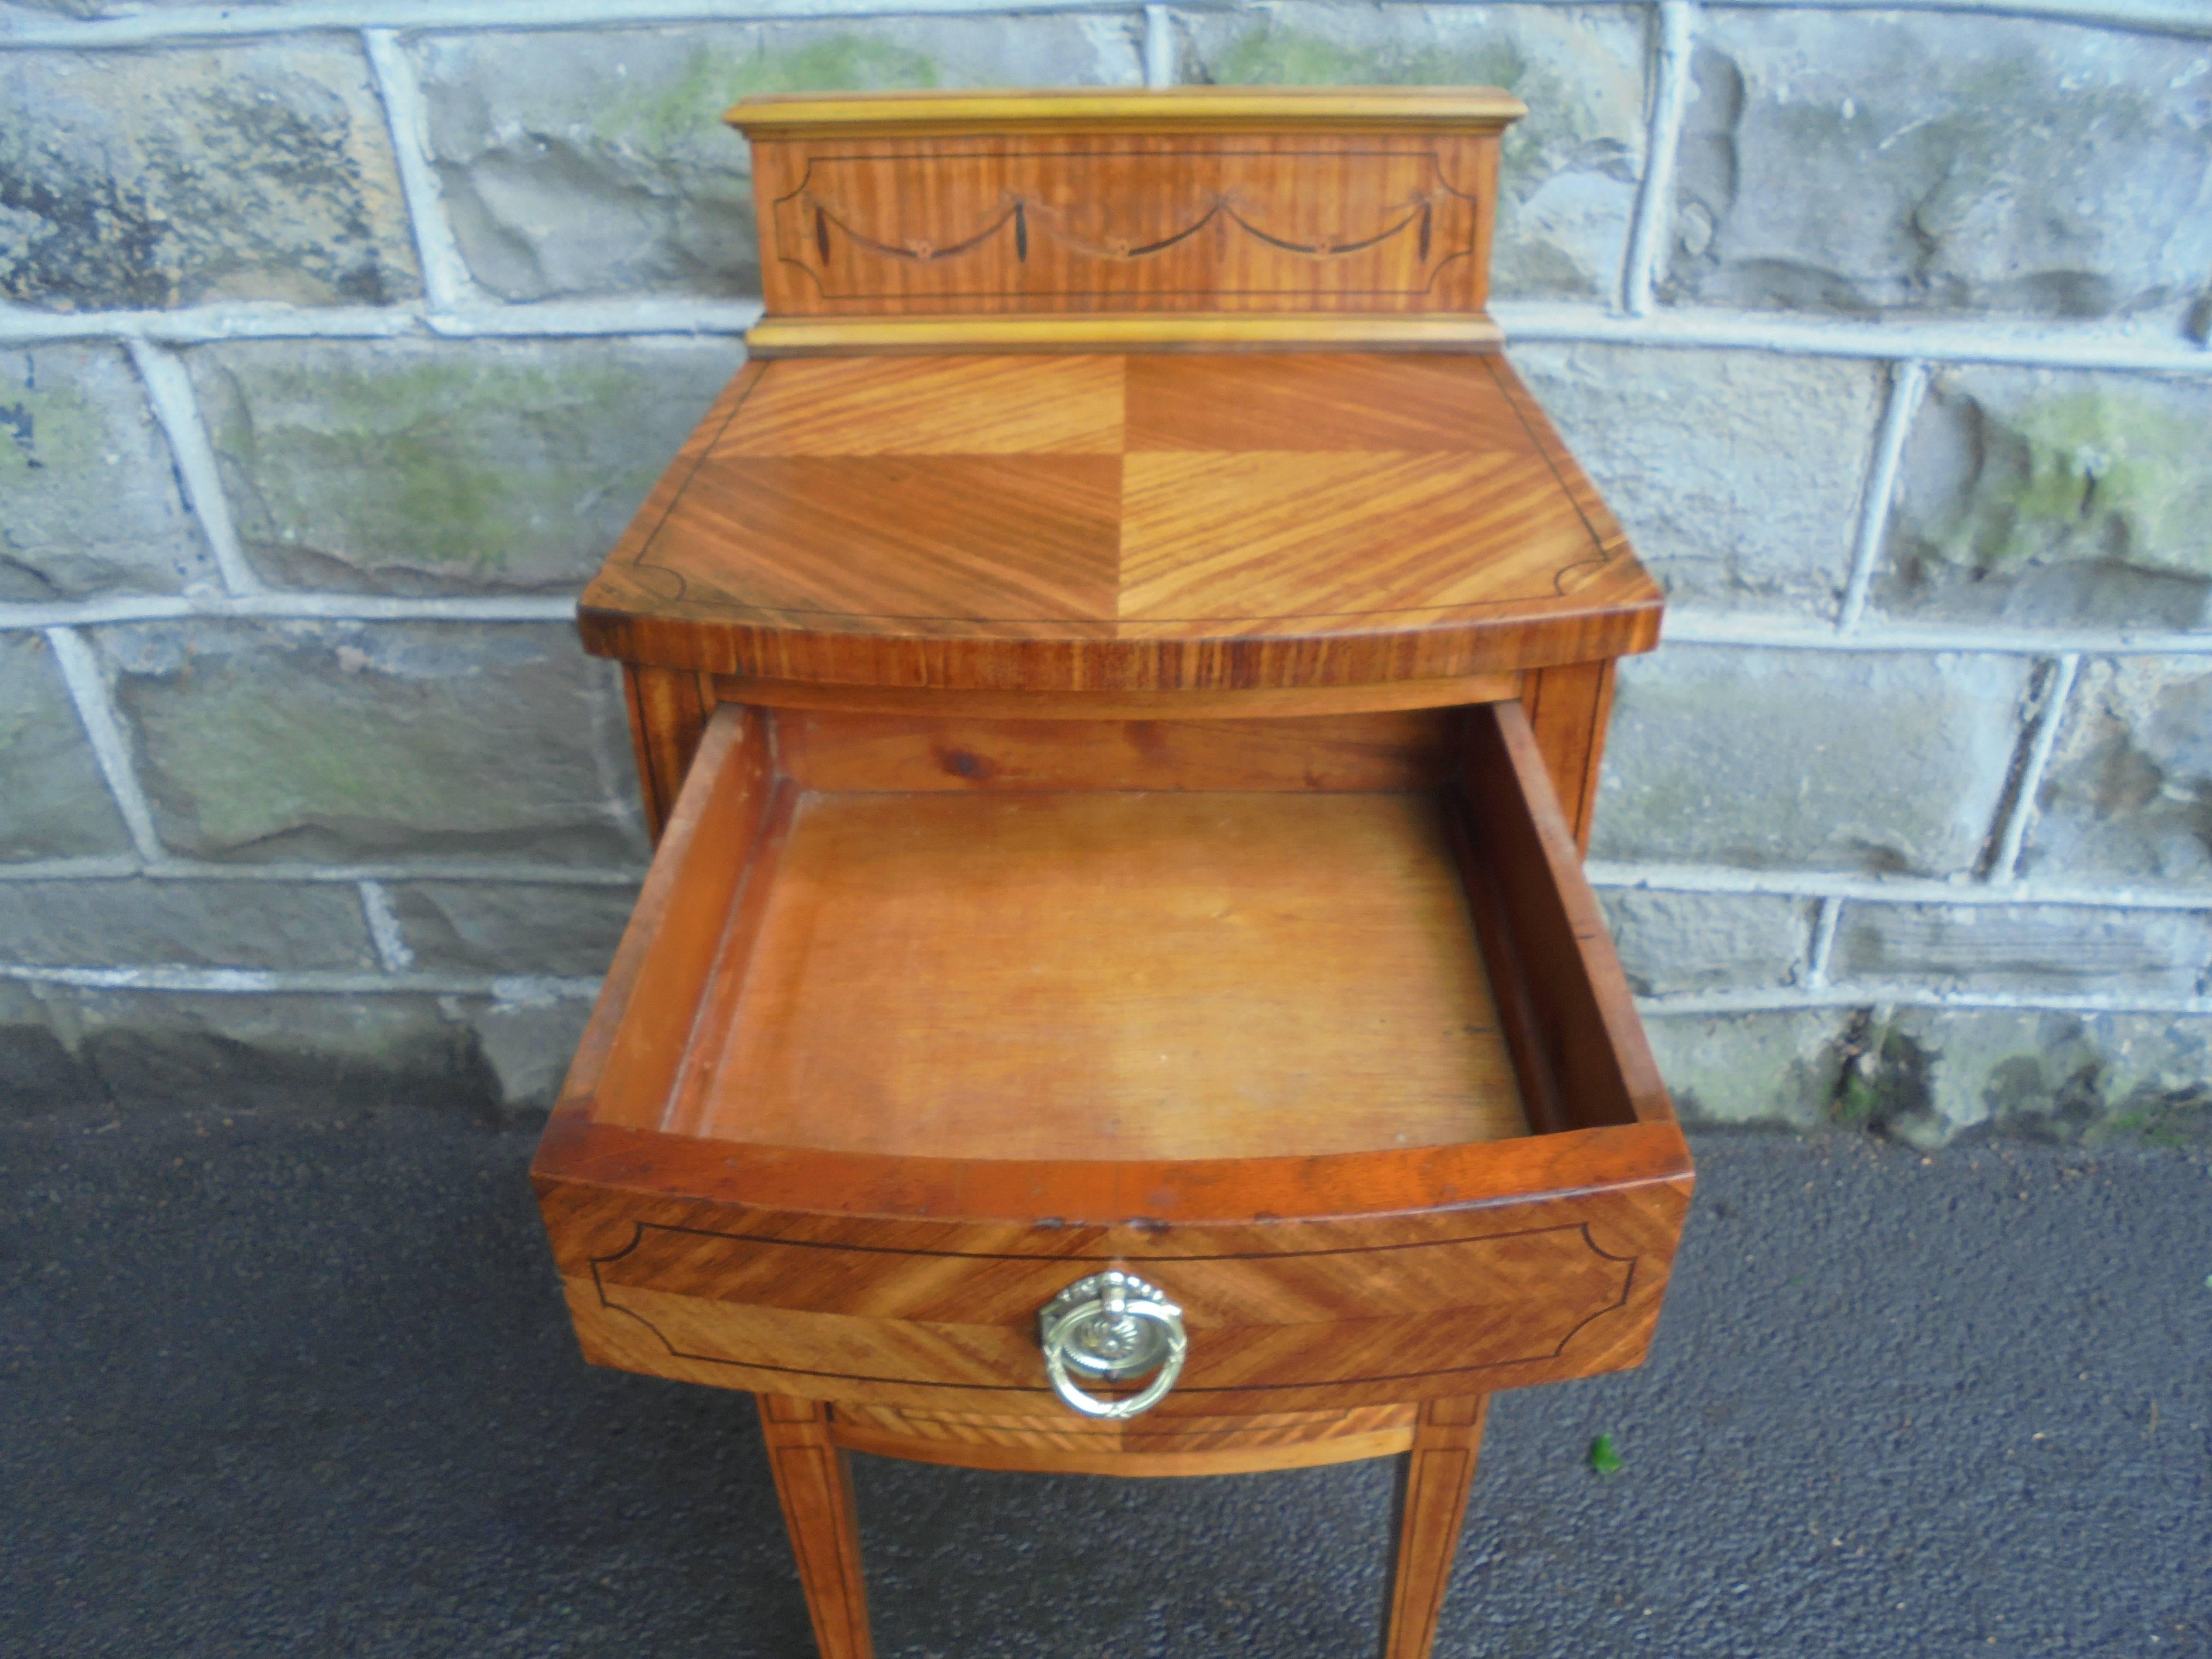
1428, 108
1159, 519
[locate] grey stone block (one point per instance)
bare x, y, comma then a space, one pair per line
1984, 947
526, 1047
2128, 796
149, 180
166, 1052
488, 927
1773, 1068
1570, 167
213, 924
1872, 163
65, 1049
1702, 941
92, 505
1943, 1072
56, 805
1737, 474
91, 8
412, 466
1809, 759
343, 741
2042, 497
577, 163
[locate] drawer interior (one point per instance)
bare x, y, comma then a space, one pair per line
1104, 974
1112, 940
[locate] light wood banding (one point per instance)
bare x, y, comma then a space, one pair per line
1151, 1446
1172, 108
1161, 331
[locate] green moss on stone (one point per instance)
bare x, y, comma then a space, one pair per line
1273, 56
2097, 475
663, 118
1883, 1083
278, 762
435, 462
2177, 1120
349, 742
1270, 57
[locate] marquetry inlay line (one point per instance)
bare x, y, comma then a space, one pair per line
1024, 216
1039, 207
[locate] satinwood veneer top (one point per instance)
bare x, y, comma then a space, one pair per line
1150, 521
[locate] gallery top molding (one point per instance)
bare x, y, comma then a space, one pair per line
1173, 109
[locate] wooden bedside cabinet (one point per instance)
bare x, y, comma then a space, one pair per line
1118, 680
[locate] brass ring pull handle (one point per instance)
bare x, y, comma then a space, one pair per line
1108, 1327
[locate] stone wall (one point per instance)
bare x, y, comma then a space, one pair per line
338, 337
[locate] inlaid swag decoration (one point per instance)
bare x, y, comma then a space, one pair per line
1054, 222
1170, 226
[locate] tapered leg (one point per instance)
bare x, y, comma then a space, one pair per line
1432, 1483
815, 1481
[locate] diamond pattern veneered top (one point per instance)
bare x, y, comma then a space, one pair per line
1149, 522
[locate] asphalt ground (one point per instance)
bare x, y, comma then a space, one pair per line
290, 1385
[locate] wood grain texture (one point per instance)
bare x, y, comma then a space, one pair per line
1432, 1490
1588, 1036
814, 1484
1521, 1017
1280, 703
1010, 1199
640, 1027
1135, 549
714, 999
1291, 1329
667, 714
1289, 1301
1145, 1446
872, 1109
947, 1364
1568, 708
1196, 109
1207, 219
1104, 974
1408, 518
1393, 752
953, 406
1256, 220
1161, 331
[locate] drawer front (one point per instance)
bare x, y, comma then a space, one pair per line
701, 1236
1284, 1318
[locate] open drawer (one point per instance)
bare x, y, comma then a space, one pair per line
1313, 1022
